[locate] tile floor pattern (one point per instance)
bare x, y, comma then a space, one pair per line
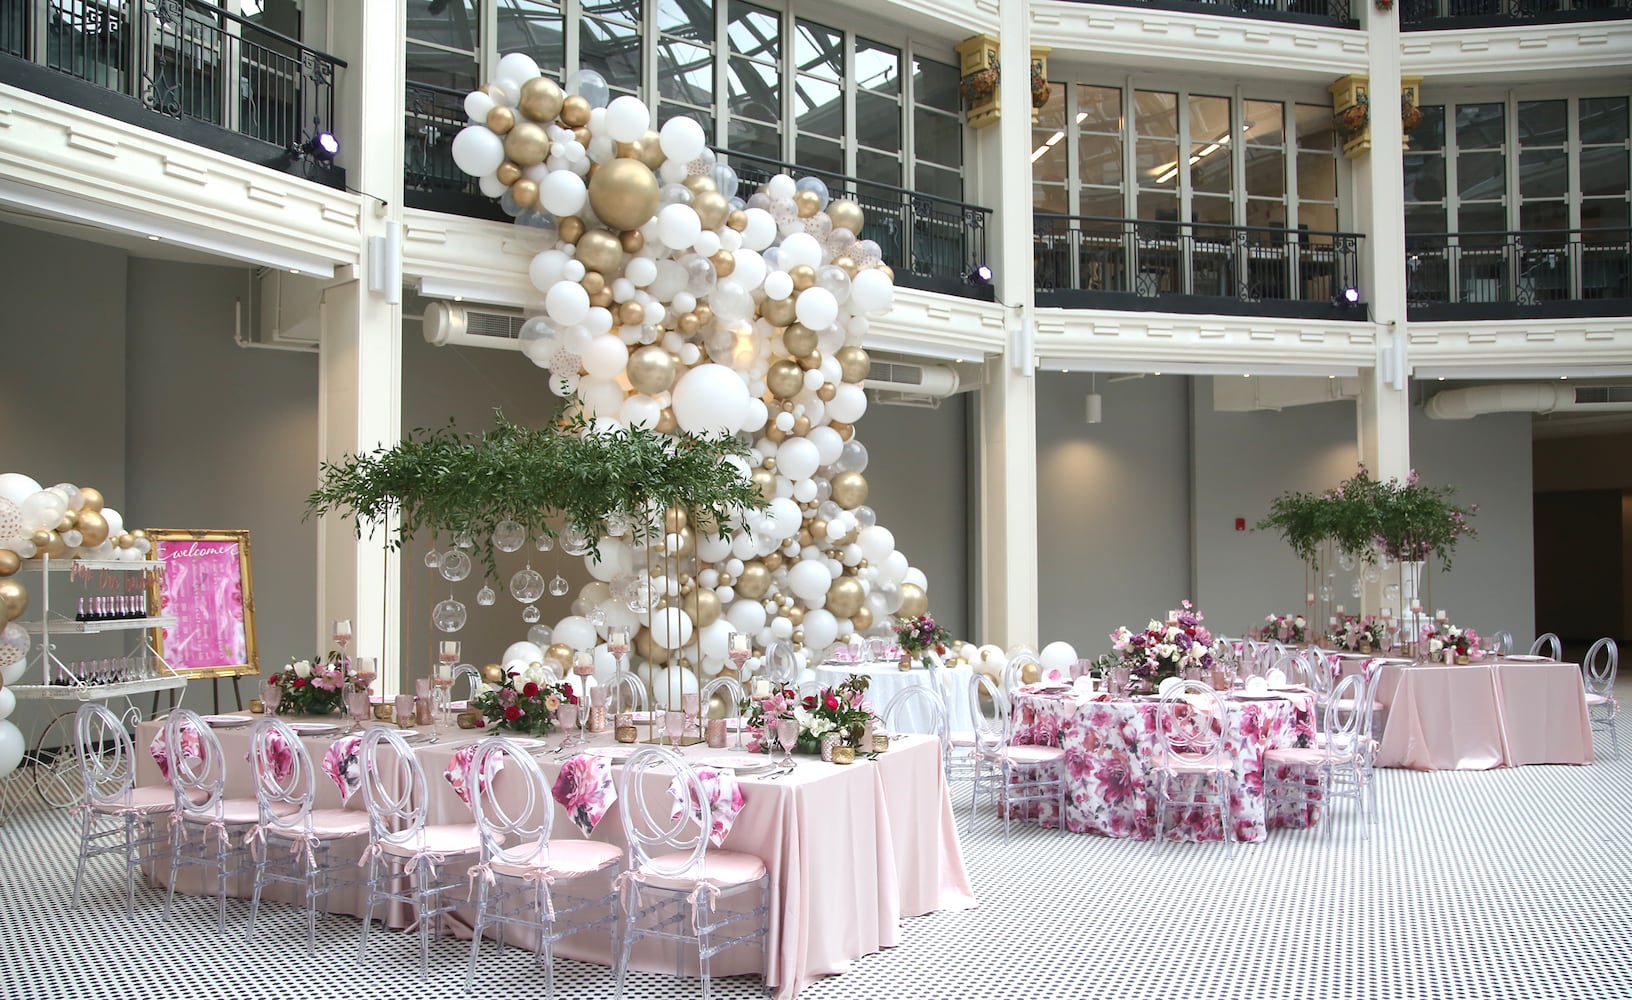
1513, 883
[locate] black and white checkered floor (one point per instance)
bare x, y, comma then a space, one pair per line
1513, 883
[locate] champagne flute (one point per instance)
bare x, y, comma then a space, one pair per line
740, 650
583, 667
271, 697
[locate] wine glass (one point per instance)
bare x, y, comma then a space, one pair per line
740, 649
359, 707
341, 631
787, 733
271, 697
583, 667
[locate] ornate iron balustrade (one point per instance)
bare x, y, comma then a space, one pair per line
188, 61
1138, 264
1428, 15
1501, 275
432, 116
1335, 13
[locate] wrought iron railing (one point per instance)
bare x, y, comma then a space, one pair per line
1329, 12
1427, 15
1535, 272
432, 116
184, 60
929, 241
1193, 267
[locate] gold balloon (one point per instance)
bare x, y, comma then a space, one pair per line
631, 313
784, 379
703, 605
501, 119
765, 482
527, 144
776, 435
629, 150
675, 520
862, 620
1031, 672
540, 99
854, 363
827, 392
711, 208
738, 219
651, 370
602, 299
525, 192
9, 563
796, 615
807, 202
93, 498
508, 173
849, 490
93, 526
811, 361
575, 112
583, 136
772, 561
724, 263
632, 240
803, 276
699, 184
845, 596
705, 314
67, 521
845, 264
492, 673
685, 542
778, 312
846, 214
571, 229
914, 601
599, 250
666, 424
561, 653
798, 339
648, 650
594, 282
624, 193
754, 580
14, 598
846, 431
651, 150
42, 537
126, 540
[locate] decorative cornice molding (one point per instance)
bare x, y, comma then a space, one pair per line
1578, 49
1520, 344
1083, 337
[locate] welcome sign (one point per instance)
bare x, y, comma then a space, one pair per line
206, 587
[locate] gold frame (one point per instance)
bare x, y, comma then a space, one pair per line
246, 589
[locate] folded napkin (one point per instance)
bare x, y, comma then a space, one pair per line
343, 764
280, 755
725, 801
585, 790
191, 747
459, 768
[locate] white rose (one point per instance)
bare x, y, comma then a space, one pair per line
303, 668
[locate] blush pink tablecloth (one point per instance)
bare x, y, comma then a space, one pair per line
850, 850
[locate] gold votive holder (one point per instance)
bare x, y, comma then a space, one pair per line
843, 754
626, 734
468, 720
256, 707
881, 742
384, 712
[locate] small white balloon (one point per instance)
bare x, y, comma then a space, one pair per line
627, 119
477, 150
681, 139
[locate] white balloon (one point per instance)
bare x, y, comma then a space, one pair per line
821, 628
681, 139
576, 631
678, 225
872, 291
809, 579
748, 616
615, 562
477, 151
710, 399
477, 104
671, 628
641, 271
517, 66
606, 357
801, 248
670, 683
816, 308
627, 119
8, 704
567, 303
797, 459
778, 285
562, 193
116, 522
750, 268
526, 652
785, 517
11, 747
760, 232
829, 445
876, 543
16, 487
602, 397
491, 186
848, 404
894, 569
546, 269
640, 411
1058, 657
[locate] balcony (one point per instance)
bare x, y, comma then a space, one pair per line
188, 70
1159, 266
1535, 274
432, 116
1430, 15
1328, 13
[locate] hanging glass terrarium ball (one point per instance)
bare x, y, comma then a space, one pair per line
1355, 588
462, 540
455, 565
1325, 593
433, 559
540, 635
640, 596
558, 586
597, 615
527, 585
485, 597
508, 535
1346, 562
544, 542
529, 613
1391, 593
1373, 574
617, 524
448, 615
574, 542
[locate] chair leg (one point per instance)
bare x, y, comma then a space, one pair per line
221, 852
132, 861
255, 894
476, 935
422, 895
631, 908
84, 852
765, 937
177, 838
368, 914
704, 919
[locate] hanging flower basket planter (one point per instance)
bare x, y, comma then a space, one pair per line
1352, 120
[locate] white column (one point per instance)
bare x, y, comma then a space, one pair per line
360, 363
1007, 605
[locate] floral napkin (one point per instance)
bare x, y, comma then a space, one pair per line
459, 770
343, 764
585, 790
192, 745
725, 801
278, 753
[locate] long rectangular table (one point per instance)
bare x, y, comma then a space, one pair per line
850, 849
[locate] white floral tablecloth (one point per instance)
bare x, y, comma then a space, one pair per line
1109, 744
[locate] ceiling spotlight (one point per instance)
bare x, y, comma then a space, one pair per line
981, 275
322, 147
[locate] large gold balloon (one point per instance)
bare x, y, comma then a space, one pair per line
803, 275
13, 598
754, 580
631, 313
93, 526
799, 340
719, 706
809, 362
575, 112
711, 208
93, 498
525, 192
914, 601
527, 144
492, 673
849, 490
56, 547
784, 379
651, 370
846, 214
10, 563
1031, 672
675, 520
703, 605
561, 653
725, 262
765, 482
648, 650
778, 312
807, 202
845, 596
600, 251
501, 119
571, 228
624, 193
853, 363
507, 173
540, 99
862, 620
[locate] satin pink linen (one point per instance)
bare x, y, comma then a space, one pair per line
1477, 716
850, 850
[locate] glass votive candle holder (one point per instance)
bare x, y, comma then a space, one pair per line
625, 731
405, 710
828, 742
714, 733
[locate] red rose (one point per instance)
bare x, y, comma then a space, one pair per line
809, 702
940, 650
512, 713
481, 723
832, 703
529, 689
300, 682
572, 699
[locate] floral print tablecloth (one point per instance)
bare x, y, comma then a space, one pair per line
1109, 745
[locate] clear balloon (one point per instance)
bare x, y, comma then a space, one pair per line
589, 85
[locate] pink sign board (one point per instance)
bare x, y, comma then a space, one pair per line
205, 587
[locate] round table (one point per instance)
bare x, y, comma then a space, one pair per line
886, 679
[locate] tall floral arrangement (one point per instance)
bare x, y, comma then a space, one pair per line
920, 634
1165, 648
1441, 636
1358, 635
1284, 628
842, 709
316, 686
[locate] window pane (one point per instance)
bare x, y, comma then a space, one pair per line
818, 106
937, 138
1480, 126
755, 90
754, 139
1424, 176
1543, 123
1603, 171
934, 180
1270, 214
692, 19
1263, 124
1214, 211
878, 121
1106, 203
1315, 129
817, 50
1099, 109
1481, 175
1210, 168
935, 84
1481, 219
1604, 213
880, 168
1157, 162
754, 31
1159, 206
1099, 159
441, 69
1156, 114
1320, 218
685, 72
815, 155
454, 24
1209, 119
1543, 215
878, 68
611, 49
1266, 172
1317, 177
535, 28
1049, 198
1430, 135
624, 11
1543, 173
1048, 160
1420, 219
1052, 114
1603, 119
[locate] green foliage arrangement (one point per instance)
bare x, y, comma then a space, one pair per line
567, 476
1365, 517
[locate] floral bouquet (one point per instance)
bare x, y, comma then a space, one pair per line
1357, 635
525, 703
317, 686
1285, 628
1165, 648
917, 636
840, 709
1442, 636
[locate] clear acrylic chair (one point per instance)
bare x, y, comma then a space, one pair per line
198, 785
1016, 774
107, 756
1014, 671
674, 884
1503, 642
1598, 672
1192, 768
402, 845
627, 692
285, 791
909, 706
1555, 649
1335, 767
734, 698
525, 879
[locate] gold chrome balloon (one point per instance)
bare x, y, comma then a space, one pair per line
651, 149
508, 173
784, 379
778, 312
799, 339
862, 620
914, 601
849, 490
10, 563
754, 580
575, 112
807, 202
624, 194
652, 370
540, 99
632, 240
853, 363
571, 229
803, 276
845, 596
600, 251
527, 144
846, 214
492, 673
93, 498
13, 598
724, 263
711, 208
525, 193
501, 119
93, 526
765, 482
738, 219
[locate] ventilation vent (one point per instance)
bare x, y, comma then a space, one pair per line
451, 323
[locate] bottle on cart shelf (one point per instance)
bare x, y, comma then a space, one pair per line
79, 615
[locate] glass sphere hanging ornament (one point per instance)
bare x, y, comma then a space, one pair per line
529, 614
485, 597
544, 542
433, 559
597, 614
1325, 592
448, 615
455, 565
558, 586
574, 542
462, 540
1372, 574
1346, 562
1354, 588
617, 524
1391, 594
640, 596
527, 585
508, 535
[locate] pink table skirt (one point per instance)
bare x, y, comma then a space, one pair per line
1482, 715
850, 850
1109, 745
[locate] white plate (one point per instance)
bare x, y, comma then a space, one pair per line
615, 754
227, 721
1527, 658
742, 763
527, 742
313, 728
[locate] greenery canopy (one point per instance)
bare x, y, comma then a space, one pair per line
1365, 517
